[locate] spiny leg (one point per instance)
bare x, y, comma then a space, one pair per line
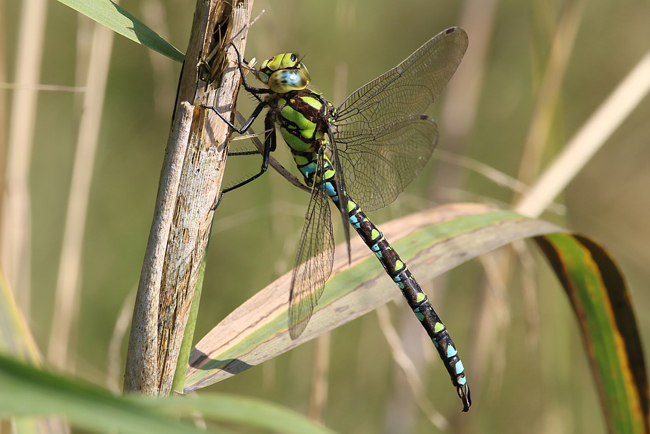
248, 123
269, 146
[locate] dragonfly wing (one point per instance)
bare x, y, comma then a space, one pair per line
379, 162
389, 104
314, 262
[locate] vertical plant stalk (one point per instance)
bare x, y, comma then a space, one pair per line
4, 112
189, 185
462, 97
15, 235
155, 15
320, 378
549, 91
588, 139
411, 372
67, 288
186, 346
493, 318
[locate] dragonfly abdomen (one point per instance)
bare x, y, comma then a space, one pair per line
399, 272
415, 297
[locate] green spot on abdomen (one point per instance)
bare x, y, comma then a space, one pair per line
300, 160
328, 175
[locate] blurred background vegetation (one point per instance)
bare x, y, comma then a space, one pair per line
515, 330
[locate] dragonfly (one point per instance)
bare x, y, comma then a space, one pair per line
360, 156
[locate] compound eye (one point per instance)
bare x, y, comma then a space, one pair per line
288, 80
294, 58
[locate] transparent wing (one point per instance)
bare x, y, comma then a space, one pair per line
314, 262
381, 161
381, 134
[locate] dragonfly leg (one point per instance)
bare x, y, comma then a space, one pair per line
255, 91
237, 154
248, 123
252, 89
269, 145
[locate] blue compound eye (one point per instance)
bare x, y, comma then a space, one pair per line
287, 80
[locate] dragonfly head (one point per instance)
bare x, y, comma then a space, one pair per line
284, 73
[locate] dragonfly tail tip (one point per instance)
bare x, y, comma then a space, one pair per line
464, 394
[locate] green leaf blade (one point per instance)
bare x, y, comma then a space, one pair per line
244, 411
430, 243
601, 302
27, 392
120, 21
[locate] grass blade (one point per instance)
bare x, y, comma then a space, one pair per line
109, 14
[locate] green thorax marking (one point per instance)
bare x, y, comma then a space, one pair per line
304, 125
303, 117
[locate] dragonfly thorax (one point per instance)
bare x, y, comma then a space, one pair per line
284, 73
